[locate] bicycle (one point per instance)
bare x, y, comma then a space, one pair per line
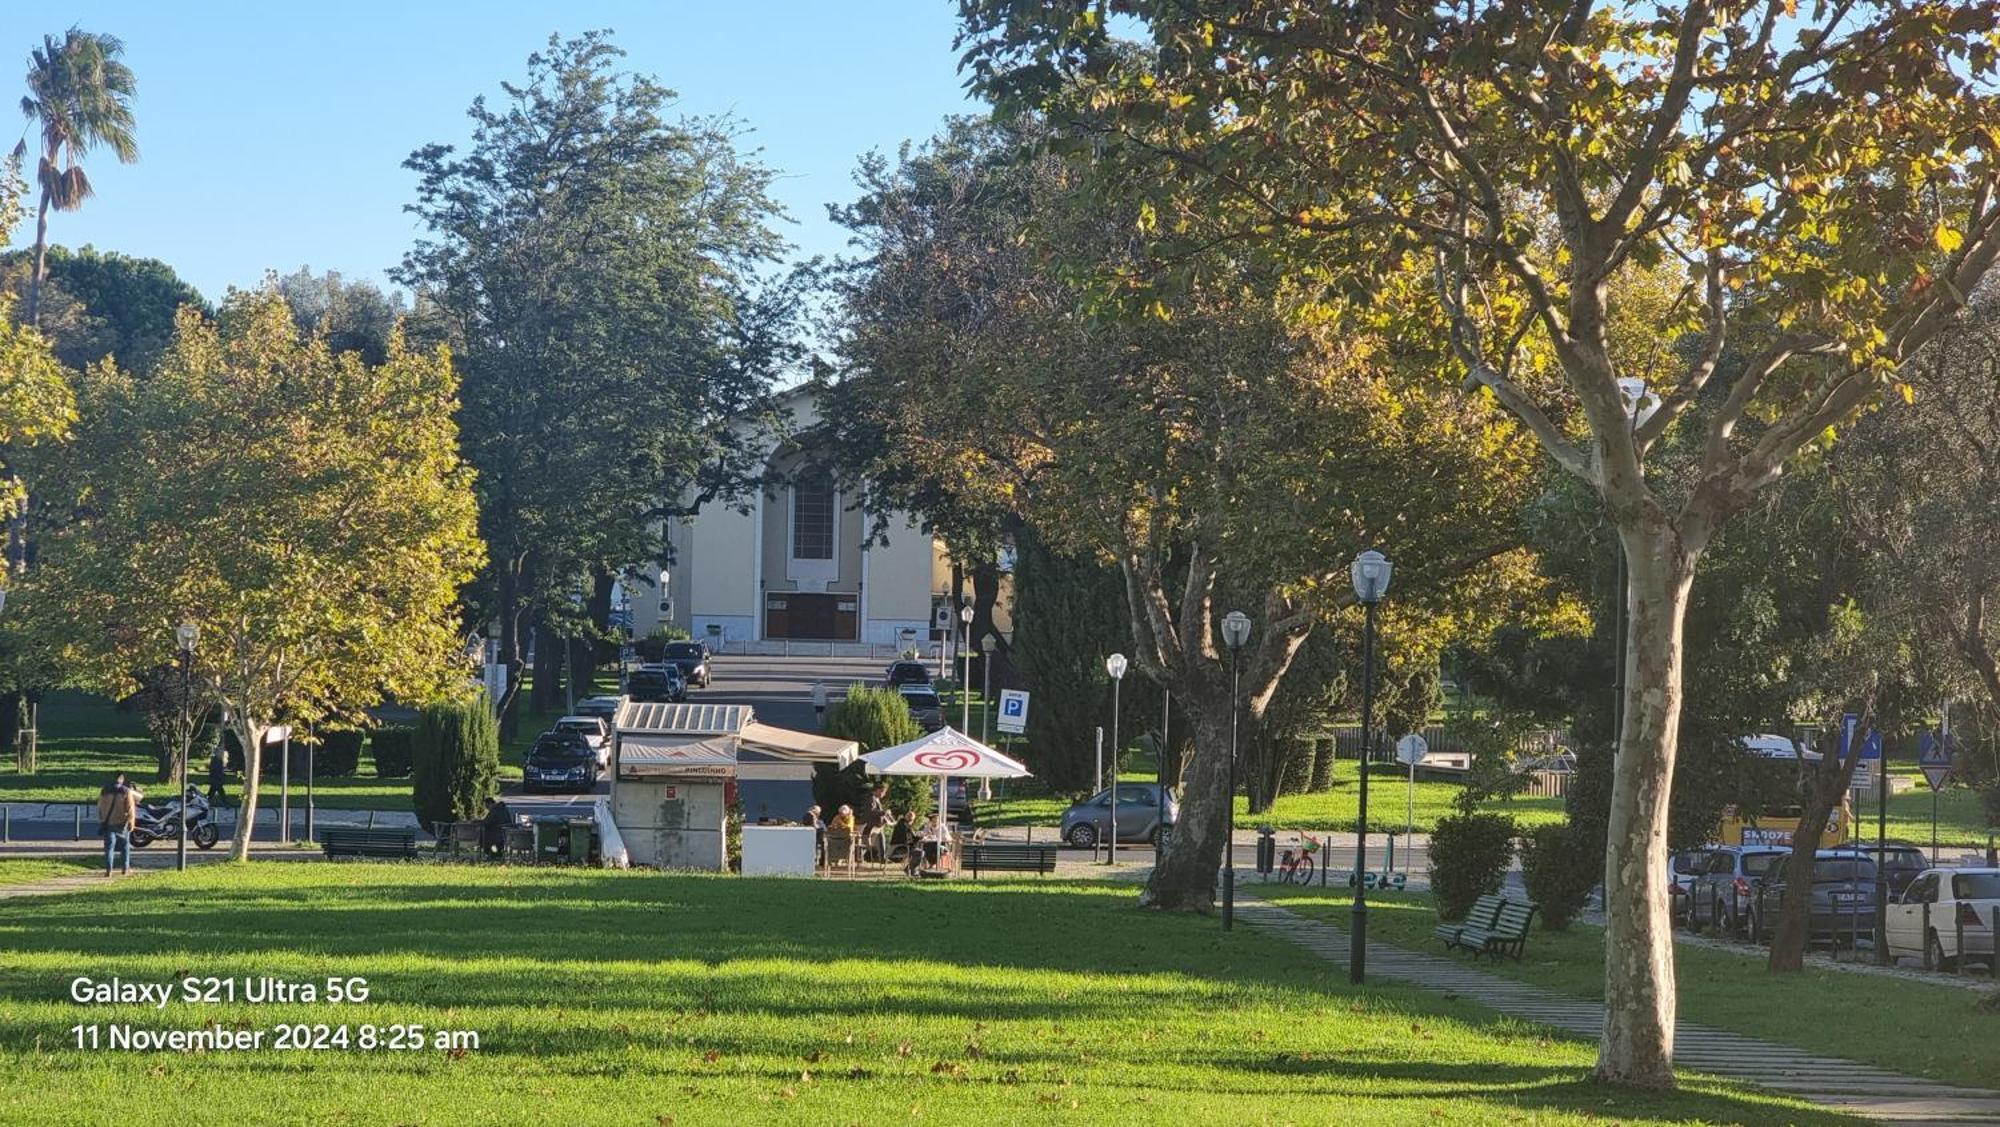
1295, 866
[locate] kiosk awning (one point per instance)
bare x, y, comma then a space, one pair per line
798, 745
640, 756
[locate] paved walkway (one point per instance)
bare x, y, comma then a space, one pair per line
1843, 1085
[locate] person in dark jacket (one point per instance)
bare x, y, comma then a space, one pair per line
218, 774
493, 828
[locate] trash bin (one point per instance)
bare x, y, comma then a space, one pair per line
549, 840
582, 840
1267, 850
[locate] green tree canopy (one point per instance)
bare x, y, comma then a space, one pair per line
308, 513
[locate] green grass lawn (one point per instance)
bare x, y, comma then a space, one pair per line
27, 870
1911, 1027
648, 999
1335, 809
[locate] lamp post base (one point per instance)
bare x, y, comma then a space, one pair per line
1228, 898
1357, 952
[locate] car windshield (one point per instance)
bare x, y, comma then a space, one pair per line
564, 752
1834, 869
587, 727
680, 650
1976, 886
1904, 859
925, 697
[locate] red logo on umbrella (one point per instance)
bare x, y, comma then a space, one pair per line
946, 760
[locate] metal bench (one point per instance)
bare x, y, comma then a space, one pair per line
1008, 857
1507, 935
360, 841
1485, 911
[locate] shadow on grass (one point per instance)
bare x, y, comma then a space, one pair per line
665, 963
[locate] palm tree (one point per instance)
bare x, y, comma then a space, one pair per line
80, 95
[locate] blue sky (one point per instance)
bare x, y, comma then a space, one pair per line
272, 134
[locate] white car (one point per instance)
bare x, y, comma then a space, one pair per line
594, 732
1960, 904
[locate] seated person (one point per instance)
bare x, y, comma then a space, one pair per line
903, 843
935, 835
493, 828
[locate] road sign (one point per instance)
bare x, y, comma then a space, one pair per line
1013, 718
1411, 749
1848, 723
1934, 756
1864, 776
1871, 746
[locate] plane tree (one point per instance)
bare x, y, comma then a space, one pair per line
1822, 174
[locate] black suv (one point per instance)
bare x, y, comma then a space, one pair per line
691, 658
906, 673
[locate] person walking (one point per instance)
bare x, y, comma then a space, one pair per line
218, 774
117, 809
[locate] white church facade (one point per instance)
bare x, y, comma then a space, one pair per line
800, 564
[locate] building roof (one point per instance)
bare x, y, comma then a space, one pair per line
687, 719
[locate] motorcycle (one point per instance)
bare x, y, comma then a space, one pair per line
163, 821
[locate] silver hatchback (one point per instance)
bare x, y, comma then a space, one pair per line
1142, 809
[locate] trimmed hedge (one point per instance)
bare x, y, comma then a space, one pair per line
339, 752
1469, 856
391, 750
1560, 870
455, 762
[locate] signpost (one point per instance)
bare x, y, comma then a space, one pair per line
1934, 756
1411, 750
1013, 718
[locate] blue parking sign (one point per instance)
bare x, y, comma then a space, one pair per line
1013, 718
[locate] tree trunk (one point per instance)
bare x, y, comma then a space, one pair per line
1637, 1046
34, 317
1184, 877
584, 652
548, 687
251, 734
510, 647
1829, 782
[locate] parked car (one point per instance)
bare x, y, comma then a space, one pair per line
604, 708
1682, 869
691, 658
596, 733
560, 761
958, 801
906, 673
1900, 862
656, 684
1723, 892
1140, 815
925, 706
1960, 902
1840, 907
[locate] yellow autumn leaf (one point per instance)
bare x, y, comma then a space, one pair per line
1946, 238
1909, 393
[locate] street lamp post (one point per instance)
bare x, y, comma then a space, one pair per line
185, 635
1235, 632
1371, 582
986, 647
965, 682
1114, 665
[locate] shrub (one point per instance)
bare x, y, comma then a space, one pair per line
1560, 870
876, 718
391, 749
339, 752
1469, 856
455, 761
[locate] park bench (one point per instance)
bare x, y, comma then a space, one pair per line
1485, 911
360, 841
1506, 935
1008, 857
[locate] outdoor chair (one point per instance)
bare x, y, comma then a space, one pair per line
840, 850
520, 845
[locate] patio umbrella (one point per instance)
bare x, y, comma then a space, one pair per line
944, 753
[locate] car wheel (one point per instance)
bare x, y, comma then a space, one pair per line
1083, 835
